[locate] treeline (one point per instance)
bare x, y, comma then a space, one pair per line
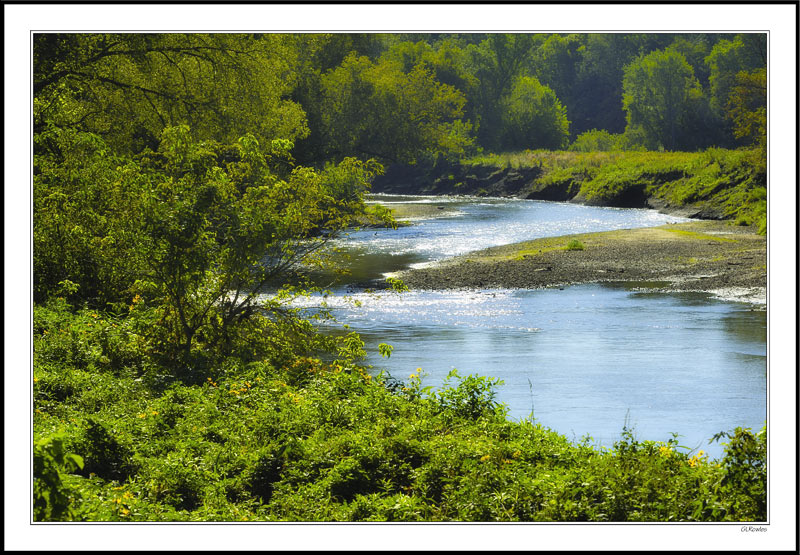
402, 97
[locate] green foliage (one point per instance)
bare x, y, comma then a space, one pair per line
730, 183
193, 232
727, 58
533, 117
473, 396
385, 349
574, 245
128, 87
745, 472
599, 140
660, 89
52, 499
377, 109
747, 108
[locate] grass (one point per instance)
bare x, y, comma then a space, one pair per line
729, 183
701, 236
574, 245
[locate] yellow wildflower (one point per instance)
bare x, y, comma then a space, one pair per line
485, 458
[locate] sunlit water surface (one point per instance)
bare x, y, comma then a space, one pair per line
583, 360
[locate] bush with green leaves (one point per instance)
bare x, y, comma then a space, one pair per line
52, 499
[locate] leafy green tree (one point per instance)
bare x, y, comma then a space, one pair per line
377, 110
597, 94
745, 52
495, 62
747, 107
556, 64
659, 89
195, 231
695, 48
128, 87
533, 117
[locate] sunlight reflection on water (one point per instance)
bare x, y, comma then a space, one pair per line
586, 359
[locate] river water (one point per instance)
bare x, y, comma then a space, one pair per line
584, 360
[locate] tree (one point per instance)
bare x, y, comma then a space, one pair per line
195, 230
747, 107
495, 63
659, 89
533, 117
377, 110
597, 94
745, 52
556, 63
127, 88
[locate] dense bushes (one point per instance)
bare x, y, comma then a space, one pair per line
322, 441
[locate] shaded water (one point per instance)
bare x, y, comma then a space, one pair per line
583, 360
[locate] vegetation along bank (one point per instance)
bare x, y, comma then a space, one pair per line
712, 184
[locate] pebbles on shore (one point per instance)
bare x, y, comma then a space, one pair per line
710, 256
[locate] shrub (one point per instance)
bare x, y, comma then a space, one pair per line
52, 499
574, 245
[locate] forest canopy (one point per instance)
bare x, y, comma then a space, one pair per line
403, 97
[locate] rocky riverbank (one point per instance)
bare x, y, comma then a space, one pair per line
696, 256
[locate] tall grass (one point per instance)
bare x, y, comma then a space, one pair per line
731, 183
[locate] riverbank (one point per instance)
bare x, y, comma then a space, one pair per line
715, 184
712, 256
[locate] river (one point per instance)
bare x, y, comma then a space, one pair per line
584, 360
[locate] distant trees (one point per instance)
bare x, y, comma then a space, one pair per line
727, 58
532, 116
398, 97
747, 106
659, 89
378, 110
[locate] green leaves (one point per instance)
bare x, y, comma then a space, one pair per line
658, 89
52, 499
385, 350
533, 118
378, 110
